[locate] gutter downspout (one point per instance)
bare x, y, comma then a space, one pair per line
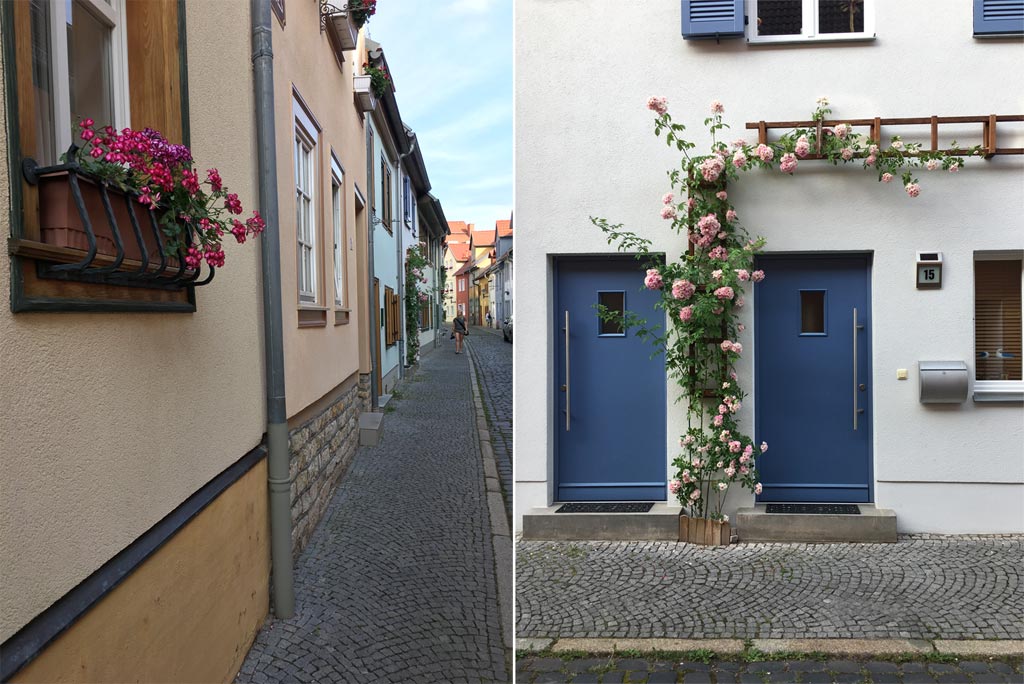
278, 479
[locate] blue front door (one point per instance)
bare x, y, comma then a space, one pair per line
812, 365
610, 420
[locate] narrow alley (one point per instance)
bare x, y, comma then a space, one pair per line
398, 581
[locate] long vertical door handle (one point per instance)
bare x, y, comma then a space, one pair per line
855, 368
567, 375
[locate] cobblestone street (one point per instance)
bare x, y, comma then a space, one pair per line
398, 582
493, 359
918, 588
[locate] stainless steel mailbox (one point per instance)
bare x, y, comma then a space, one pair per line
943, 382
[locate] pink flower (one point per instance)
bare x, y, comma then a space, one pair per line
86, 123
842, 130
657, 104
716, 274
870, 161
720, 253
954, 167
690, 204
897, 144
758, 488
722, 486
764, 447
213, 177
716, 107
757, 276
709, 224
735, 446
932, 164
686, 313
667, 199
742, 274
788, 163
682, 289
748, 451
88, 134
913, 189
886, 177
739, 142
723, 409
803, 147
722, 195
744, 458
711, 168
730, 471
717, 420
847, 153
725, 292
653, 279
695, 494
739, 303
744, 470
674, 486
730, 215
668, 212
688, 440
232, 203
97, 152
873, 150
765, 153
724, 436
739, 160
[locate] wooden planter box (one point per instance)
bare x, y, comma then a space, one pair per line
704, 532
61, 223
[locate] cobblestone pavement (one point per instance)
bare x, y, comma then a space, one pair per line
918, 588
397, 583
493, 359
608, 669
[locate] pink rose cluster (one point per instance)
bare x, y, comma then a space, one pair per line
652, 281
711, 168
657, 104
725, 292
682, 289
788, 163
734, 347
708, 226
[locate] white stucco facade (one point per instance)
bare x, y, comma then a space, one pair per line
583, 128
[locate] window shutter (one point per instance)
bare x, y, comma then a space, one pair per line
712, 18
998, 17
156, 67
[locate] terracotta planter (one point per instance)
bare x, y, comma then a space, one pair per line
61, 224
704, 532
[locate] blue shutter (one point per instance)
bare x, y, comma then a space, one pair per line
713, 18
998, 17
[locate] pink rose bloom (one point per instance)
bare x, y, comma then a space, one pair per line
696, 494
913, 189
726, 345
720, 253
842, 130
653, 279
886, 177
737, 347
667, 199
730, 471
716, 274
723, 409
674, 486
668, 212
802, 147
722, 234
722, 195
717, 420
737, 406
757, 276
730, 216
686, 313
739, 303
711, 168
686, 476
748, 450
757, 488
688, 440
742, 274
716, 107
722, 486
724, 436
932, 164
690, 204
870, 161
739, 160
658, 104
744, 458
735, 447
739, 142
765, 153
954, 167
847, 153
764, 447
682, 289
725, 292
873, 150
741, 327
897, 144
708, 224
744, 470
788, 163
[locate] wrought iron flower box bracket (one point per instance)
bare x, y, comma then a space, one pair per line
341, 23
157, 268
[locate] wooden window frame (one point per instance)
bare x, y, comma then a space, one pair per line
392, 317
338, 230
386, 195
998, 390
158, 99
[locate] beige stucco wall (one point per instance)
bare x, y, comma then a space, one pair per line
110, 421
318, 359
188, 614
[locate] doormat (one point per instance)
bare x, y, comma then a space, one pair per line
815, 509
593, 507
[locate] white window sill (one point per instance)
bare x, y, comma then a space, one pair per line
824, 38
1003, 391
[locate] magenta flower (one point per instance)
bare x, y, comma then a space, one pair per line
213, 177
232, 203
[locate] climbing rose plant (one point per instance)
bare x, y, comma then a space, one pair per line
702, 291
415, 299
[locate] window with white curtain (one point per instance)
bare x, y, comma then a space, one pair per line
337, 183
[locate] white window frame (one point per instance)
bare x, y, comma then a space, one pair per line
113, 17
809, 26
305, 137
462, 284
997, 390
337, 193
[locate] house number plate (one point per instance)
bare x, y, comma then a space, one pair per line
929, 276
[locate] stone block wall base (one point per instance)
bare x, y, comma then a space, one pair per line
873, 525
371, 425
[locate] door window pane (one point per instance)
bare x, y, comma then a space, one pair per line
89, 70
613, 302
42, 85
997, 320
812, 312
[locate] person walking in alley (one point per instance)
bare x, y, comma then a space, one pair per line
489, 319
459, 330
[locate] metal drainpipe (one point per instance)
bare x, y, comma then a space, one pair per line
278, 477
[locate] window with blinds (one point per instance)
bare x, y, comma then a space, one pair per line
997, 318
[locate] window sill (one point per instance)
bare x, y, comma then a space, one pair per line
804, 40
341, 317
999, 391
312, 317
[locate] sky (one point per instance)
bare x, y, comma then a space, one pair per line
451, 63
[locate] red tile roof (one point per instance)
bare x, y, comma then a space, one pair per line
460, 251
504, 228
483, 238
458, 227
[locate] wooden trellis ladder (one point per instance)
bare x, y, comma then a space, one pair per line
988, 123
